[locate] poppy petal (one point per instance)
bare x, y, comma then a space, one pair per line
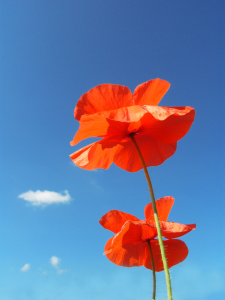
163, 206
91, 126
150, 92
118, 122
171, 230
153, 152
170, 123
80, 157
133, 233
114, 219
176, 252
98, 155
108, 246
128, 255
103, 97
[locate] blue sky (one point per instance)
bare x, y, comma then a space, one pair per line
51, 53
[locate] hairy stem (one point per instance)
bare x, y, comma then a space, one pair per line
153, 270
161, 245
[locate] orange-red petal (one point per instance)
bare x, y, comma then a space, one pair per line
136, 255
114, 220
169, 124
128, 255
150, 92
119, 122
163, 206
154, 153
98, 155
103, 97
164, 124
176, 252
171, 230
111, 149
133, 233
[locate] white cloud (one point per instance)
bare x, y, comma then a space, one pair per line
25, 268
44, 198
54, 261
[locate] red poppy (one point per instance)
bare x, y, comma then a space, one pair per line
129, 247
112, 112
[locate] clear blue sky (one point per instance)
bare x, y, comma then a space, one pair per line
51, 53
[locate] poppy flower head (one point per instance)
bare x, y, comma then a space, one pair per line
107, 97
113, 113
129, 247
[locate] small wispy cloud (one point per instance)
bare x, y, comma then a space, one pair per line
54, 261
43, 198
25, 268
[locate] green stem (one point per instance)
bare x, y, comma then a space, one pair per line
161, 245
153, 270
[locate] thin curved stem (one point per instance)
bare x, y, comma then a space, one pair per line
153, 270
161, 245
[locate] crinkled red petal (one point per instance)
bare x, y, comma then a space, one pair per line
150, 92
171, 230
115, 219
133, 233
103, 97
153, 152
164, 124
168, 124
176, 252
128, 255
98, 155
119, 122
163, 206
